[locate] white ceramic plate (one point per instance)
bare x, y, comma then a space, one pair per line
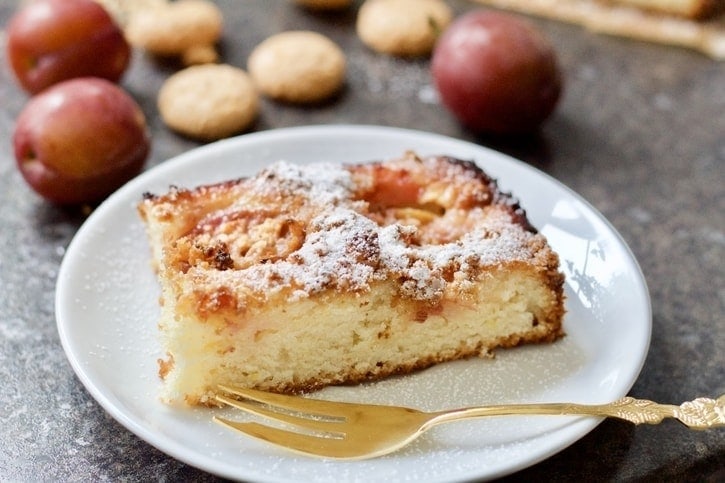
106, 308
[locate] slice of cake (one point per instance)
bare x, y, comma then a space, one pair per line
307, 276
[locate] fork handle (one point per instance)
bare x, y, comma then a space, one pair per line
701, 413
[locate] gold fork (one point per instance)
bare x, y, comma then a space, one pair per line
345, 430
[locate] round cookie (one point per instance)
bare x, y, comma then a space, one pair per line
297, 67
405, 28
208, 102
186, 28
122, 10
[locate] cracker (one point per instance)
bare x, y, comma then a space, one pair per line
707, 36
208, 102
298, 67
406, 28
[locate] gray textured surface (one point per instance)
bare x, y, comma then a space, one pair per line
640, 133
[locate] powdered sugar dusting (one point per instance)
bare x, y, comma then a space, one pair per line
344, 245
339, 251
322, 183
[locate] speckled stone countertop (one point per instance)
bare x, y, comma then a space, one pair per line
640, 133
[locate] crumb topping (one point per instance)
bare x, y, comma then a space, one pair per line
431, 225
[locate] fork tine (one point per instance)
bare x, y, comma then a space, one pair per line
295, 403
301, 420
301, 443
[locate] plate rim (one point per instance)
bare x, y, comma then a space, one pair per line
571, 433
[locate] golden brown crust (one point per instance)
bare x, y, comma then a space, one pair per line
165, 365
242, 240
